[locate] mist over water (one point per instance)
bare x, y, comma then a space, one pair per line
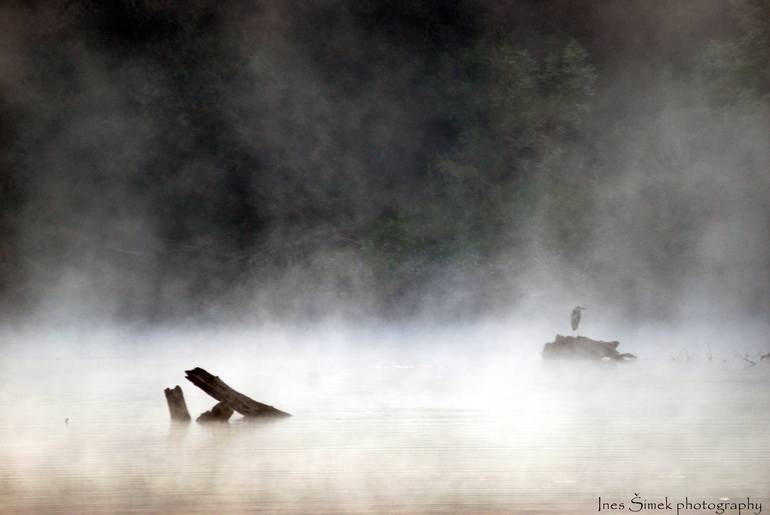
373, 215
462, 419
457, 421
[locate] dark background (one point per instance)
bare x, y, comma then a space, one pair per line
161, 161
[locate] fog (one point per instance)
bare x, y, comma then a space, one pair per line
463, 420
373, 215
240, 162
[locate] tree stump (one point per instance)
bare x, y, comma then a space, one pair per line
217, 388
580, 347
221, 412
177, 407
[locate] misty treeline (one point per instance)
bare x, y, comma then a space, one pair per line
163, 160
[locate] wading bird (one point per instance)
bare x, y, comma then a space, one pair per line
575, 318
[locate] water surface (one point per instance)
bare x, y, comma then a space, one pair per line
379, 435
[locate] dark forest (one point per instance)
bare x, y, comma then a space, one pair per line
164, 161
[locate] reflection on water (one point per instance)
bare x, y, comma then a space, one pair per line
394, 438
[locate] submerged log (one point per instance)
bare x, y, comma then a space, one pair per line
217, 388
580, 347
221, 412
177, 407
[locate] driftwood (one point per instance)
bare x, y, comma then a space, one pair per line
177, 407
221, 412
580, 347
217, 388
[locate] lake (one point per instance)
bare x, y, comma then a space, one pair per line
376, 431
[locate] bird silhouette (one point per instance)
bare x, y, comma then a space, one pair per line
575, 318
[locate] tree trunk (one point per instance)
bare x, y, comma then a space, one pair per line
217, 388
177, 407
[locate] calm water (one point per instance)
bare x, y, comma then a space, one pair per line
403, 434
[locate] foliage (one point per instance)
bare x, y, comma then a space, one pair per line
177, 158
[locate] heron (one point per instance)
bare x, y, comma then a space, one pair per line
575, 318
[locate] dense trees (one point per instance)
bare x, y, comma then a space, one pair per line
164, 159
